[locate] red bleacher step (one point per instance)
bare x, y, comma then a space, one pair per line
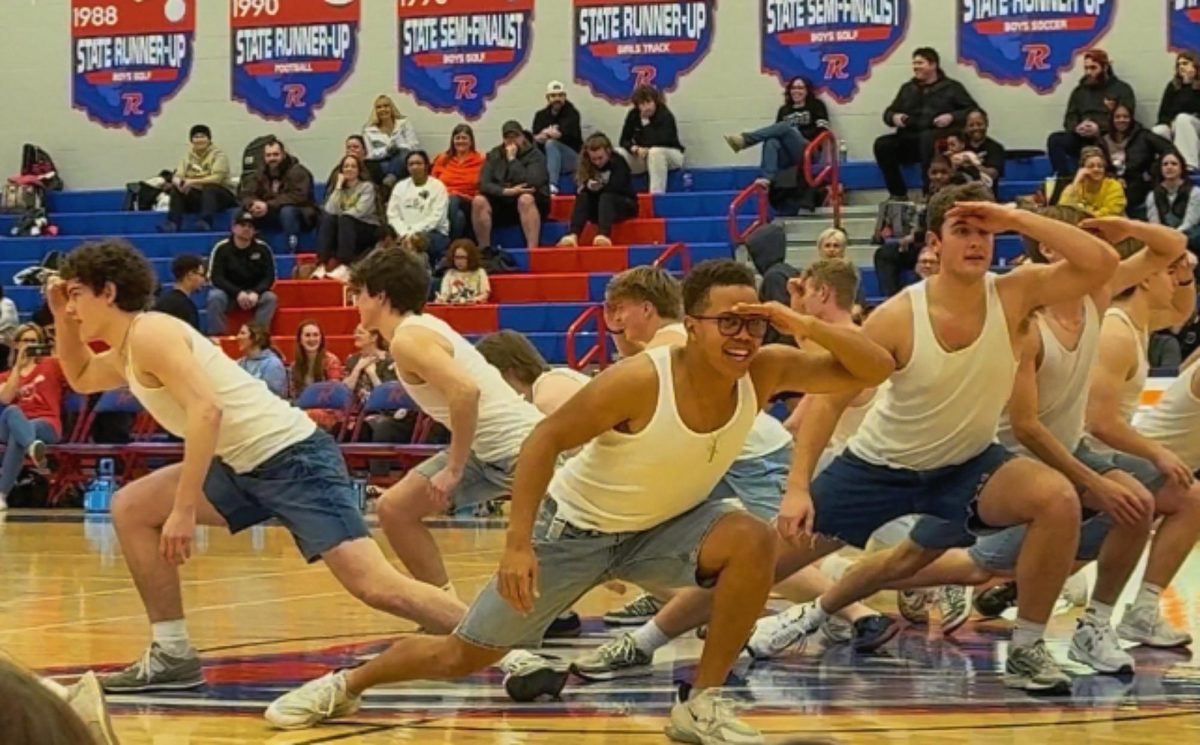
310, 293
543, 288
467, 319
562, 205
582, 259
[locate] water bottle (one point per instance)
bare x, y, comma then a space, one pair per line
360, 494
293, 243
98, 496
688, 181
843, 152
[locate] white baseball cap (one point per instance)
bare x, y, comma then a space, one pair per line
555, 86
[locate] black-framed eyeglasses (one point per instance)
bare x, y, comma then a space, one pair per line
730, 324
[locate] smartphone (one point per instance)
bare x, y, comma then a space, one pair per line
39, 350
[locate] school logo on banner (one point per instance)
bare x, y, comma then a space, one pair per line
1010, 44
1183, 25
130, 57
620, 45
455, 54
288, 55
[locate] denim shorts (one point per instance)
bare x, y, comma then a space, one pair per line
758, 482
854, 498
572, 561
305, 486
481, 482
998, 552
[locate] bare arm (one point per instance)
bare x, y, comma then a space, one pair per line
419, 352
1117, 361
1164, 246
1183, 300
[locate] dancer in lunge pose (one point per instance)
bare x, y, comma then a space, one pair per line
927, 445
249, 456
658, 431
523, 367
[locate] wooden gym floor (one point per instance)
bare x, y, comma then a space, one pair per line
264, 621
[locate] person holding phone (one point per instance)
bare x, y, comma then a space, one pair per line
32, 393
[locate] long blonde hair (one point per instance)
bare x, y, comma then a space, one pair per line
373, 119
586, 170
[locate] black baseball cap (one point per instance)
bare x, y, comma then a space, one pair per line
243, 218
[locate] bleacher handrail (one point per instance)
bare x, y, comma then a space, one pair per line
596, 354
754, 190
678, 248
828, 145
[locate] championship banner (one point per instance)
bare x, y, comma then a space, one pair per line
621, 44
130, 57
1017, 43
1183, 25
455, 54
288, 56
832, 44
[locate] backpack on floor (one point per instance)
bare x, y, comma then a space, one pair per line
19, 198
495, 260
895, 219
252, 157
37, 164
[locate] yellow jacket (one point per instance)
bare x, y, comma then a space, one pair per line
1106, 200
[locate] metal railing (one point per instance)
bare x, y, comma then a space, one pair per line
828, 145
679, 248
754, 191
596, 354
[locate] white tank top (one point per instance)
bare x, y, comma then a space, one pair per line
943, 408
1062, 382
849, 423
766, 436
255, 423
505, 419
1131, 390
1175, 420
624, 482
565, 372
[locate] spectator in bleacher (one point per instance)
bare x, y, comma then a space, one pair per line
9, 320
898, 255
241, 270
32, 394
1175, 201
314, 364
513, 188
280, 194
1095, 191
370, 364
458, 168
832, 243
605, 194
798, 122
465, 282
559, 132
989, 154
356, 146
1134, 153
1179, 111
351, 223
419, 207
201, 183
390, 136
928, 263
649, 140
190, 276
1089, 111
924, 109
261, 359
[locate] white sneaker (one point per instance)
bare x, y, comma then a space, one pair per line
529, 677
3, 503
707, 719
312, 703
954, 603
1095, 644
774, 634
914, 605
619, 658
341, 274
86, 699
1146, 626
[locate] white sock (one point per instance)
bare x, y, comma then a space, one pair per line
649, 637
172, 636
56, 688
1101, 611
1027, 633
1147, 597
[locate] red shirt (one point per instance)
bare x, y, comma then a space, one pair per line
41, 393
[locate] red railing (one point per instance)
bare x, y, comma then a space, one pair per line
755, 190
597, 353
827, 144
678, 248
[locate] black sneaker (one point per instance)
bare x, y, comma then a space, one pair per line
992, 602
566, 626
873, 632
531, 677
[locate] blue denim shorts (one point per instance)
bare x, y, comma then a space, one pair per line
572, 561
758, 482
854, 498
481, 481
305, 486
998, 552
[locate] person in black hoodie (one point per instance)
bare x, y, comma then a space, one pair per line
280, 194
1179, 112
649, 139
1088, 112
1134, 153
924, 109
513, 188
605, 195
242, 270
557, 130
798, 122
190, 275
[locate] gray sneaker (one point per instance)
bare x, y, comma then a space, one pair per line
86, 699
1095, 644
1147, 626
1034, 669
619, 658
635, 613
954, 604
157, 671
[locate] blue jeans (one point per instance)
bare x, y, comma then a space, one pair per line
460, 217
17, 432
438, 243
559, 156
287, 218
395, 165
782, 147
218, 305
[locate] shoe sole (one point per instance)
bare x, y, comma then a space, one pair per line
626, 620
1082, 660
1027, 685
310, 723
879, 641
1143, 641
637, 671
679, 735
186, 685
546, 682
